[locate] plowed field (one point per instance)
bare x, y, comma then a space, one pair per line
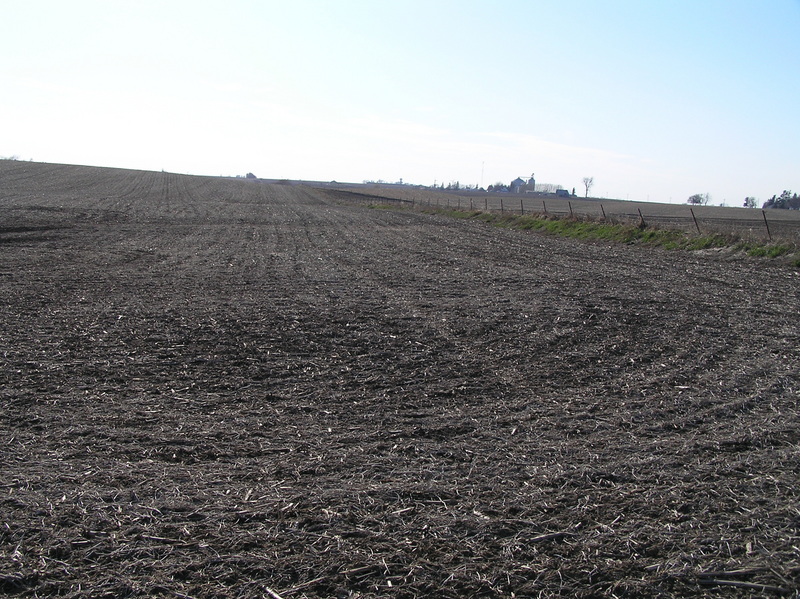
223, 388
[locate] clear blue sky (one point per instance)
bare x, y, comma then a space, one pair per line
656, 100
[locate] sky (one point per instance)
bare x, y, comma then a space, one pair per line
656, 100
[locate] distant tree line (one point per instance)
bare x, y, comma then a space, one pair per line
786, 201
500, 186
699, 199
456, 186
538, 188
384, 182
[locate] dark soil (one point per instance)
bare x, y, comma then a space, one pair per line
222, 388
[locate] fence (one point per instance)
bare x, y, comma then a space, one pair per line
743, 222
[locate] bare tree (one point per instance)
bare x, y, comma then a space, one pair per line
699, 199
587, 183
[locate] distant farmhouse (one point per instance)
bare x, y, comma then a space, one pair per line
519, 185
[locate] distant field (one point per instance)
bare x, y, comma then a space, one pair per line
226, 388
748, 223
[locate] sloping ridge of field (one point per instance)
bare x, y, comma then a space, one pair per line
219, 387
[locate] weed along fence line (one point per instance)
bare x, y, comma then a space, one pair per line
761, 224
744, 222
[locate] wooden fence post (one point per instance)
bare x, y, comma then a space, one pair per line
571, 215
544, 207
502, 208
641, 218
521, 208
766, 224
603, 211
695, 220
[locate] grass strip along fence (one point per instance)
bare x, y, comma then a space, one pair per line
599, 230
666, 232
781, 224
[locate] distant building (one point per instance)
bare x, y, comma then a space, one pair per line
520, 185
517, 185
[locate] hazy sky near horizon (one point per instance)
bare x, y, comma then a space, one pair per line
657, 100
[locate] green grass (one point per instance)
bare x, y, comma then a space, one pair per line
597, 230
767, 250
